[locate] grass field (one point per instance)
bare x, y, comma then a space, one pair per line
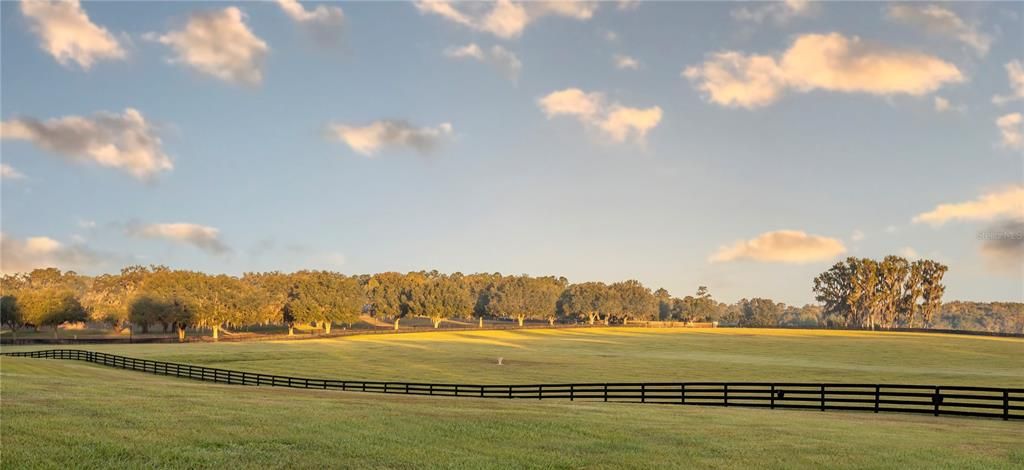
61, 413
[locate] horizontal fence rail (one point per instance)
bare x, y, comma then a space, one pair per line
988, 402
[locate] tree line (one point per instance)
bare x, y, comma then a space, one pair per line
855, 293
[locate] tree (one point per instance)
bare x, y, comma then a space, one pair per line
51, 307
931, 288
664, 300
388, 294
109, 296
635, 301
583, 301
759, 312
523, 297
439, 298
323, 297
10, 313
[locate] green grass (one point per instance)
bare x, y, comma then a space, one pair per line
60, 414
64, 413
618, 354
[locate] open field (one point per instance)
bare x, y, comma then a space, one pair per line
60, 413
617, 354
113, 417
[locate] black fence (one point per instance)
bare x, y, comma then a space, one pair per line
989, 402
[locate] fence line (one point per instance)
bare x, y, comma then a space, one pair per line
988, 402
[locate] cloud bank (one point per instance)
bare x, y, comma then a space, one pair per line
1008, 202
782, 246
199, 236
504, 18
19, 256
828, 62
123, 141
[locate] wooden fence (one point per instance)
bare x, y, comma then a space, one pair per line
989, 402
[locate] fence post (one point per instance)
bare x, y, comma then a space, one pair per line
878, 393
1006, 405
606, 392
407, 388
772, 399
682, 394
540, 392
509, 392
822, 397
572, 392
937, 399
481, 391
725, 397
643, 393
456, 390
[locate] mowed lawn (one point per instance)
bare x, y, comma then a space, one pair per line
67, 414
618, 354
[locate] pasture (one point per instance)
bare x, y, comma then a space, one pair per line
57, 413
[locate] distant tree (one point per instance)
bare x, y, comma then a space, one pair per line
10, 313
323, 297
635, 301
109, 296
760, 312
664, 300
523, 297
51, 307
388, 296
583, 301
441, 297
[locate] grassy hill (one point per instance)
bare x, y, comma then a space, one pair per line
62, 413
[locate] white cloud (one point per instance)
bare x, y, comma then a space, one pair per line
782, 246
123, 141
200, 236
66, 33
323, 22
219, 43
623, 62
830, 62
504, 18
778, 12
1011, 131
8, 172
940, 21
505, 61
1015, 75
18, 256
371, 138
618, 122
1008, 202
857, 235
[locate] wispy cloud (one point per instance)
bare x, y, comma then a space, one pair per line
124, 141
8, 172
371, 138
503, 60
618, 122
781, 246
1015, 76
199, 236
830, 62
940, 21
324, 22
66, 33
202, 45
504, 18
777, 12
623, 62
1011, 131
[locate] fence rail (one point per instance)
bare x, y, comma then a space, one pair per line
938, 400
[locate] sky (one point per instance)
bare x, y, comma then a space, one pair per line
745, 147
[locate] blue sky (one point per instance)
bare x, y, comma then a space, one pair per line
751, 146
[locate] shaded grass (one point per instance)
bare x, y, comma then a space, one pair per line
60, 414
618, 354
